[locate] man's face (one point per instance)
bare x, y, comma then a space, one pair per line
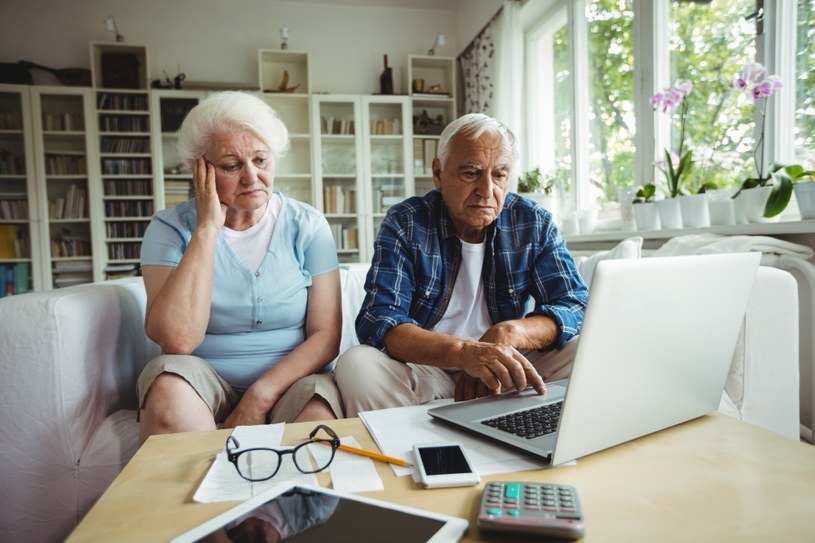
474, 182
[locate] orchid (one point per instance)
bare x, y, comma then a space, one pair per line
667, 100
779, 176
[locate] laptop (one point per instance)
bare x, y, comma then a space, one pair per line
654, 351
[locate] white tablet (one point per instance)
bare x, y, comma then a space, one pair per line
301, 513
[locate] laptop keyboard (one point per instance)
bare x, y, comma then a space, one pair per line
531, 423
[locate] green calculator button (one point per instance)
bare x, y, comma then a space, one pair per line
495, 511
512, 491
513, 513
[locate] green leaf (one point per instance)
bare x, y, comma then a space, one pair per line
780, 194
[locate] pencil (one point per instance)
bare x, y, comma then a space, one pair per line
373, 455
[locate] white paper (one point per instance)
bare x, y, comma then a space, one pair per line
396, 430
350, 472
222, 482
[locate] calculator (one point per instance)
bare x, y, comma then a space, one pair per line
545, 509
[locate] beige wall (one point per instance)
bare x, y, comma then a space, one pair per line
218, 40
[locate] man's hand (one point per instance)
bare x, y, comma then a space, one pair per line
497, 367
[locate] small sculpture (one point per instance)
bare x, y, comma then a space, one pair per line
283, 87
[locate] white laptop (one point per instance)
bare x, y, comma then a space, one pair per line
654, 351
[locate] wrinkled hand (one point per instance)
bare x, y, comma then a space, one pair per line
208, 206
248, 412
497, 367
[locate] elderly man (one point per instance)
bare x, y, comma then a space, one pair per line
447, 308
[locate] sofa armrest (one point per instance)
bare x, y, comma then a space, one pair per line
763, 384
70, 358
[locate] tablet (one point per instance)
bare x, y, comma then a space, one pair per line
301, 513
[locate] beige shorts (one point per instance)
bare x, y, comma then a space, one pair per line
221, 398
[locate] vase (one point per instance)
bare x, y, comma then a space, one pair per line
670, 214
721, 207
695, 210
805, 194
646, 216
753, 202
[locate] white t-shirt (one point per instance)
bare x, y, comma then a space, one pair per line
252, 244
466, 315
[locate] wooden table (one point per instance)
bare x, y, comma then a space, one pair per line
711, 479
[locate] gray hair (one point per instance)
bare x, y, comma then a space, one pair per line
230, 111
473, 125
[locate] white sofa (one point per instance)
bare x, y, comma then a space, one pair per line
69, 360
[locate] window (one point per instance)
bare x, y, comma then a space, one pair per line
709, 43
621, 52
611, 119
805, 85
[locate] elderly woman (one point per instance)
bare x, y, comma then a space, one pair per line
243, 291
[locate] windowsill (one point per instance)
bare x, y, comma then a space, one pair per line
752, 229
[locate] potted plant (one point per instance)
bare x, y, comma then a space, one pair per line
766, 195
646, 214
533, 184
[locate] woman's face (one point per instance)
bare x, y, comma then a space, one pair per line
244, 170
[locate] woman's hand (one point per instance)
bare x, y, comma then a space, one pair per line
250, 411
208, 206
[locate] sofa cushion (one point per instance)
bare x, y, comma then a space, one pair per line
627, 248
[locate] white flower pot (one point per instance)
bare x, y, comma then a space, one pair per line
722, 207
753, 202
549, 202
670, 214
805, 194
695, 211
646, 216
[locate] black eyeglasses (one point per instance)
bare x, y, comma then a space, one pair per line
261, 464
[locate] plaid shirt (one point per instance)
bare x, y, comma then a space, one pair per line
417, 255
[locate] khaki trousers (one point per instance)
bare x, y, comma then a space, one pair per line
369, 379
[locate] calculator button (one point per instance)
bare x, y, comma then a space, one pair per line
494, 512
512, 491
513, 513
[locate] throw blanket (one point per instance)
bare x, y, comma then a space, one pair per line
699, 244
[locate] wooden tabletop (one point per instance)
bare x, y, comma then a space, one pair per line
711, 479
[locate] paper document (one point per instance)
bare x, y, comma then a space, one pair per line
223, 483
396, 430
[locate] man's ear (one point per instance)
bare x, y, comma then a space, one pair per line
436, 168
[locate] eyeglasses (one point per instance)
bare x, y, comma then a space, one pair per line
261, 464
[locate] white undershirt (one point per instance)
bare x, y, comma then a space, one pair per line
252, 244
466, 315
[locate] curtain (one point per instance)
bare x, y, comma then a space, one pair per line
476, 64
509, 77
492, 68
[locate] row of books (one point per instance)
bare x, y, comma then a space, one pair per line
11, 120
11, 164
386, 127
345, 237
124, 250
65, 164
124, 145
70, 244
71, 205
137, 208
424, 151
121, 102
13, 206
116, 271
330, 125
13, 242
339, 199
126, 166
123, 123
70, 273
62, 122
14, 279
129, 229
128, 187
388, 195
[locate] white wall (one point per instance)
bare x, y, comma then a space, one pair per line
218, 40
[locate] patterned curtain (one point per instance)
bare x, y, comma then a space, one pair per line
477, 65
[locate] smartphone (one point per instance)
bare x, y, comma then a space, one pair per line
440, 465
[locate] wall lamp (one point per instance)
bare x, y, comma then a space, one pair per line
110, 26
437, 42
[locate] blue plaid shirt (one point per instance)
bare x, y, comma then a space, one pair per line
417, 255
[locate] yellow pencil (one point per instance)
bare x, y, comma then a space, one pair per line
371, 454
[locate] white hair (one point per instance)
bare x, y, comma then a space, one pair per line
473, 125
